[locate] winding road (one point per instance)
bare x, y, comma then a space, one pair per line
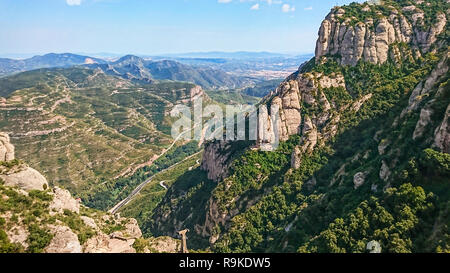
138, 189
162, 185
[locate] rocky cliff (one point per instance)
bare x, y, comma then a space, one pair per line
381, 33
362, 120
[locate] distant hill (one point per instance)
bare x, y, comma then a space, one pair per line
11, 66
82, 127
230, 55
135, 68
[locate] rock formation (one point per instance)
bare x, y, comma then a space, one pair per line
216, 160
26, 179
64, 209
359, 179
6, 149
442, 134
18, 174
63, 200
371, 40
64, 241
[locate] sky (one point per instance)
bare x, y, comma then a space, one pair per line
155, 27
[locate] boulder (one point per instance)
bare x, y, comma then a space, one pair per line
63, 200
64, 241
27, 179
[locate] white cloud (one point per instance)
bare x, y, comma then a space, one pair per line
255, 7
287, 8
224, 1
73, 2
308, 8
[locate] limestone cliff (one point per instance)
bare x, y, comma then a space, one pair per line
378, 37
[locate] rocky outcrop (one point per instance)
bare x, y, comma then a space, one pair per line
63, 200
423, 89
89, 222
442, 134
385, 173
16, 173
64, 241
27, 179
117, 242
22, 179
102, 243
359, 179
303, 90
424, 120
372, 40
163, 245
6, 148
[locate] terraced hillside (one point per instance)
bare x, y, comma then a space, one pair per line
84, 129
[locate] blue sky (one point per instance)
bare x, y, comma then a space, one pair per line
160, 26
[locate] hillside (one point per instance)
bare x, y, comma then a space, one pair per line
364, 153
96, 135
36, 218
130, 67
137, 69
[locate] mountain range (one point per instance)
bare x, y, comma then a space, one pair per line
130, 67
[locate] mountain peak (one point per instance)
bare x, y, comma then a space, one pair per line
377, 33
130, 59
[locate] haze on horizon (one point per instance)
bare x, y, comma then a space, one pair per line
158, 27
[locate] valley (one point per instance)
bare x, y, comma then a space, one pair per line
361, 134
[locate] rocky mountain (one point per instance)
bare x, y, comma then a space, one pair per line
364, 147
10, 66
135, 68
36, 218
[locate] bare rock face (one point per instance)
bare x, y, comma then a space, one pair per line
196, 93
18, 234
6, 148
216, 160
425, 119
117, 242
385, 173
62, 200
132, 229
103, 243
23, 179
425, 87
20, 176
89, 222
302, 89
192, 95
28, 179
359, 179
372, 39
64, 241
442, 134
